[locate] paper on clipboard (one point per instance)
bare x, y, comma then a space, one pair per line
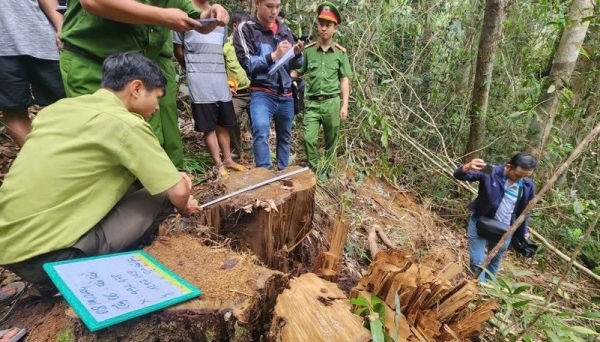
281, 62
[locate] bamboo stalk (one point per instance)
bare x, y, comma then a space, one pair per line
561, 169
564, 256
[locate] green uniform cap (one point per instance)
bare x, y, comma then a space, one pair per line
328, 11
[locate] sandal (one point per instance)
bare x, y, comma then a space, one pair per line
221, 170
6, 296
231, 165
12, 335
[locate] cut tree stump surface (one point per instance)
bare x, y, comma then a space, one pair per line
313, 309
271, 220
236, 304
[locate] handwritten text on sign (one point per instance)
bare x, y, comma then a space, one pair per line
111, 287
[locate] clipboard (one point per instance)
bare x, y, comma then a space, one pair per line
109, 289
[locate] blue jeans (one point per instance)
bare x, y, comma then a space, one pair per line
263, 108
477, 254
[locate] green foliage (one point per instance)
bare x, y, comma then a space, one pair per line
198, 166
519, 308
374, 313
65, 336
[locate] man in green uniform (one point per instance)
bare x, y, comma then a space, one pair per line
94, 29
327, 71
71, 193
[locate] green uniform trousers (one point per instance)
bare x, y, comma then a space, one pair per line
317, 113
82, 76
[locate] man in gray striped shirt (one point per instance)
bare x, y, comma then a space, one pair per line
212, 108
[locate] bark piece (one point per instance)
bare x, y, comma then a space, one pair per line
313, 309
327, 264
270, 221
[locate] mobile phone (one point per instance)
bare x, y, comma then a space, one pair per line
487, 169
206, 21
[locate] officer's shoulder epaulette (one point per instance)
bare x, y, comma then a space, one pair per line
338, 46
309, 45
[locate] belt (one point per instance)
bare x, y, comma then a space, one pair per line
322, 97
243, 91
267, 90
70, 47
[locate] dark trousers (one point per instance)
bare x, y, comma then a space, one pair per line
241, 104
134, 220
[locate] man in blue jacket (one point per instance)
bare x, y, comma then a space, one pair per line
504, 192
259, 44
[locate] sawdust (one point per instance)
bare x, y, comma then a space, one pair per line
44, 320
203, 266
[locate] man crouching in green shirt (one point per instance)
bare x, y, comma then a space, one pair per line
71, 193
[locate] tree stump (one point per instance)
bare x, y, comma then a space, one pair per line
270, 221
313, 309
432, 307
236, 305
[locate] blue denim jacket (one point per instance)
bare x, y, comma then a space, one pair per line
253, 46
491, 191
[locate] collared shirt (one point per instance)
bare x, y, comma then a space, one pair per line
509, 200
80, 157
324, 69
102, 37
233, 67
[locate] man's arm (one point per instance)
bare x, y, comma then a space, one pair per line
133, 12
234, 69
180, 196
345, 88
246, 53
344, 74
470, 171
249, 58
178, 52
178, 48
298, 60
49, 8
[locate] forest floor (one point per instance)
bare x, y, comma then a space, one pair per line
408, 218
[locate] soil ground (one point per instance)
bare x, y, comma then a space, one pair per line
409, 223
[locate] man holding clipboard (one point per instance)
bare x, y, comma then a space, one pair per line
265, 48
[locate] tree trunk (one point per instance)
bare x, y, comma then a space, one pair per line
270, 221
433, 305
314, 309
563, 65
490, 35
